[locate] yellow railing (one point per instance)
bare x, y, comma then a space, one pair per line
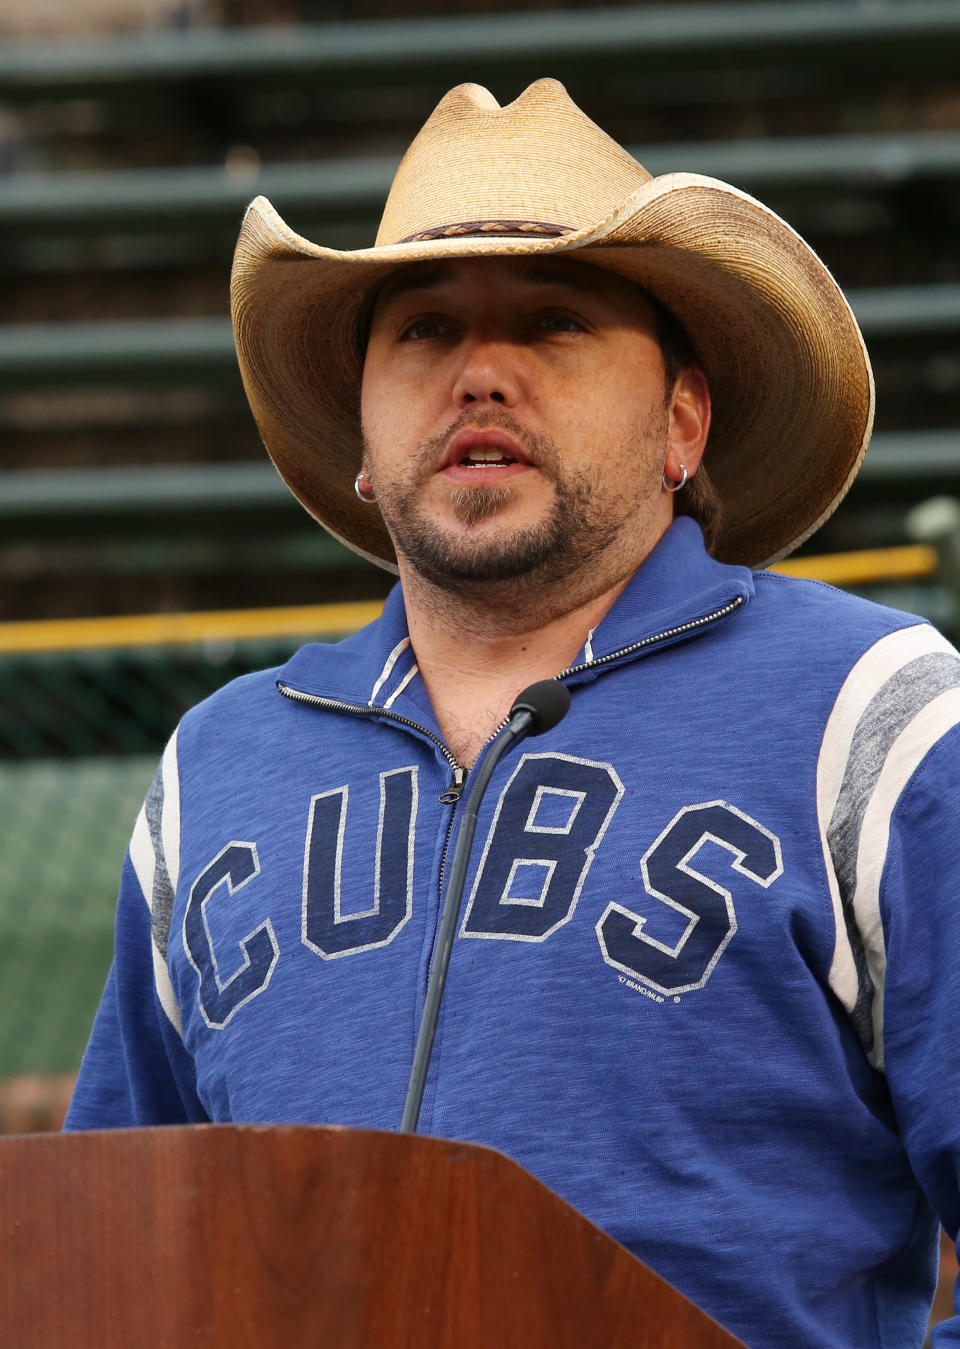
332, 620
220, 625
867, 567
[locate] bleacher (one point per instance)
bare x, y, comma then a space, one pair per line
127, 159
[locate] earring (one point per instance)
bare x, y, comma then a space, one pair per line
364, 489
675, 486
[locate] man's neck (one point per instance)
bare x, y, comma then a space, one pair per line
476, 654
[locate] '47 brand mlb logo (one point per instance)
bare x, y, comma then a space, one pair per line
547, 826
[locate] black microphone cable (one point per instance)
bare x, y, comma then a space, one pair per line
537, 709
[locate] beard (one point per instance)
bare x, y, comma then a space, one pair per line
576, 528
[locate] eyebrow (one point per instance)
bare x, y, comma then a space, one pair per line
537, 274
571, 276
401, 283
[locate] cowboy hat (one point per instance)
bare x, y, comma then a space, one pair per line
786, 364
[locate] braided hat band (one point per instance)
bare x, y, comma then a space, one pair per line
481, 228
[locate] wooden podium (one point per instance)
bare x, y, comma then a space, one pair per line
247, 1237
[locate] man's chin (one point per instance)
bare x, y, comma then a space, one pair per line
470, 506
479, 557
510, 543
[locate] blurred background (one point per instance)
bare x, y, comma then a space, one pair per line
148, 551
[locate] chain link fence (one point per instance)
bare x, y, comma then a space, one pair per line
80, 736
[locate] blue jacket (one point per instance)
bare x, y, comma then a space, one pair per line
707, 978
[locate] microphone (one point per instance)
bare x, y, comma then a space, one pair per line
545, 704
537, 709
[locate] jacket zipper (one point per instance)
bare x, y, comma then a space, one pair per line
315, 700
453, 793
451, 797
692, 626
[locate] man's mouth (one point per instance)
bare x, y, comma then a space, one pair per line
486, 459
484, 450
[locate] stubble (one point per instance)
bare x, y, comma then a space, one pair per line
576, 529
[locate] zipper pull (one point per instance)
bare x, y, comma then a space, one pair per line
454, 792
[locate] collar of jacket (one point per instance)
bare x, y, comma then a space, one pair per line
677, 593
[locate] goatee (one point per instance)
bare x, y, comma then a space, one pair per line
472, 504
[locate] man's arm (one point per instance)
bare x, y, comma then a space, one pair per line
921, 999
136, 1070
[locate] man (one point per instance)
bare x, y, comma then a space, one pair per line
705, 981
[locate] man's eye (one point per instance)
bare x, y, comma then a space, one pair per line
561, 323
422, 330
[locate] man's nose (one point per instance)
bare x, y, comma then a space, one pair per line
488, 373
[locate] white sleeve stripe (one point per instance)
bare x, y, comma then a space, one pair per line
165, 993
143, 857
385, 673
867, 677
170, 818
872, 709
913, 686
906, 754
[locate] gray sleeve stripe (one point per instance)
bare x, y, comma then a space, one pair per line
154, 852
861, 1013
161, 900
930, 725
900, 697
887, 714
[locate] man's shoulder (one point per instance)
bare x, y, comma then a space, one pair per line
824, 617
252, 699
235, 713
871, 663
256, 688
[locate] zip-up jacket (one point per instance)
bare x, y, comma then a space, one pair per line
706, 980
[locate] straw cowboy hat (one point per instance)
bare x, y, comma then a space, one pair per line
784, 358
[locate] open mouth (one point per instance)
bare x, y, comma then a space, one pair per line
480, 458
484, 450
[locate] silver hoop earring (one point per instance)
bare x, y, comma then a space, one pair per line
675, 486
367, 497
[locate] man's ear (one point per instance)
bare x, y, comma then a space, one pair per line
688, 423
